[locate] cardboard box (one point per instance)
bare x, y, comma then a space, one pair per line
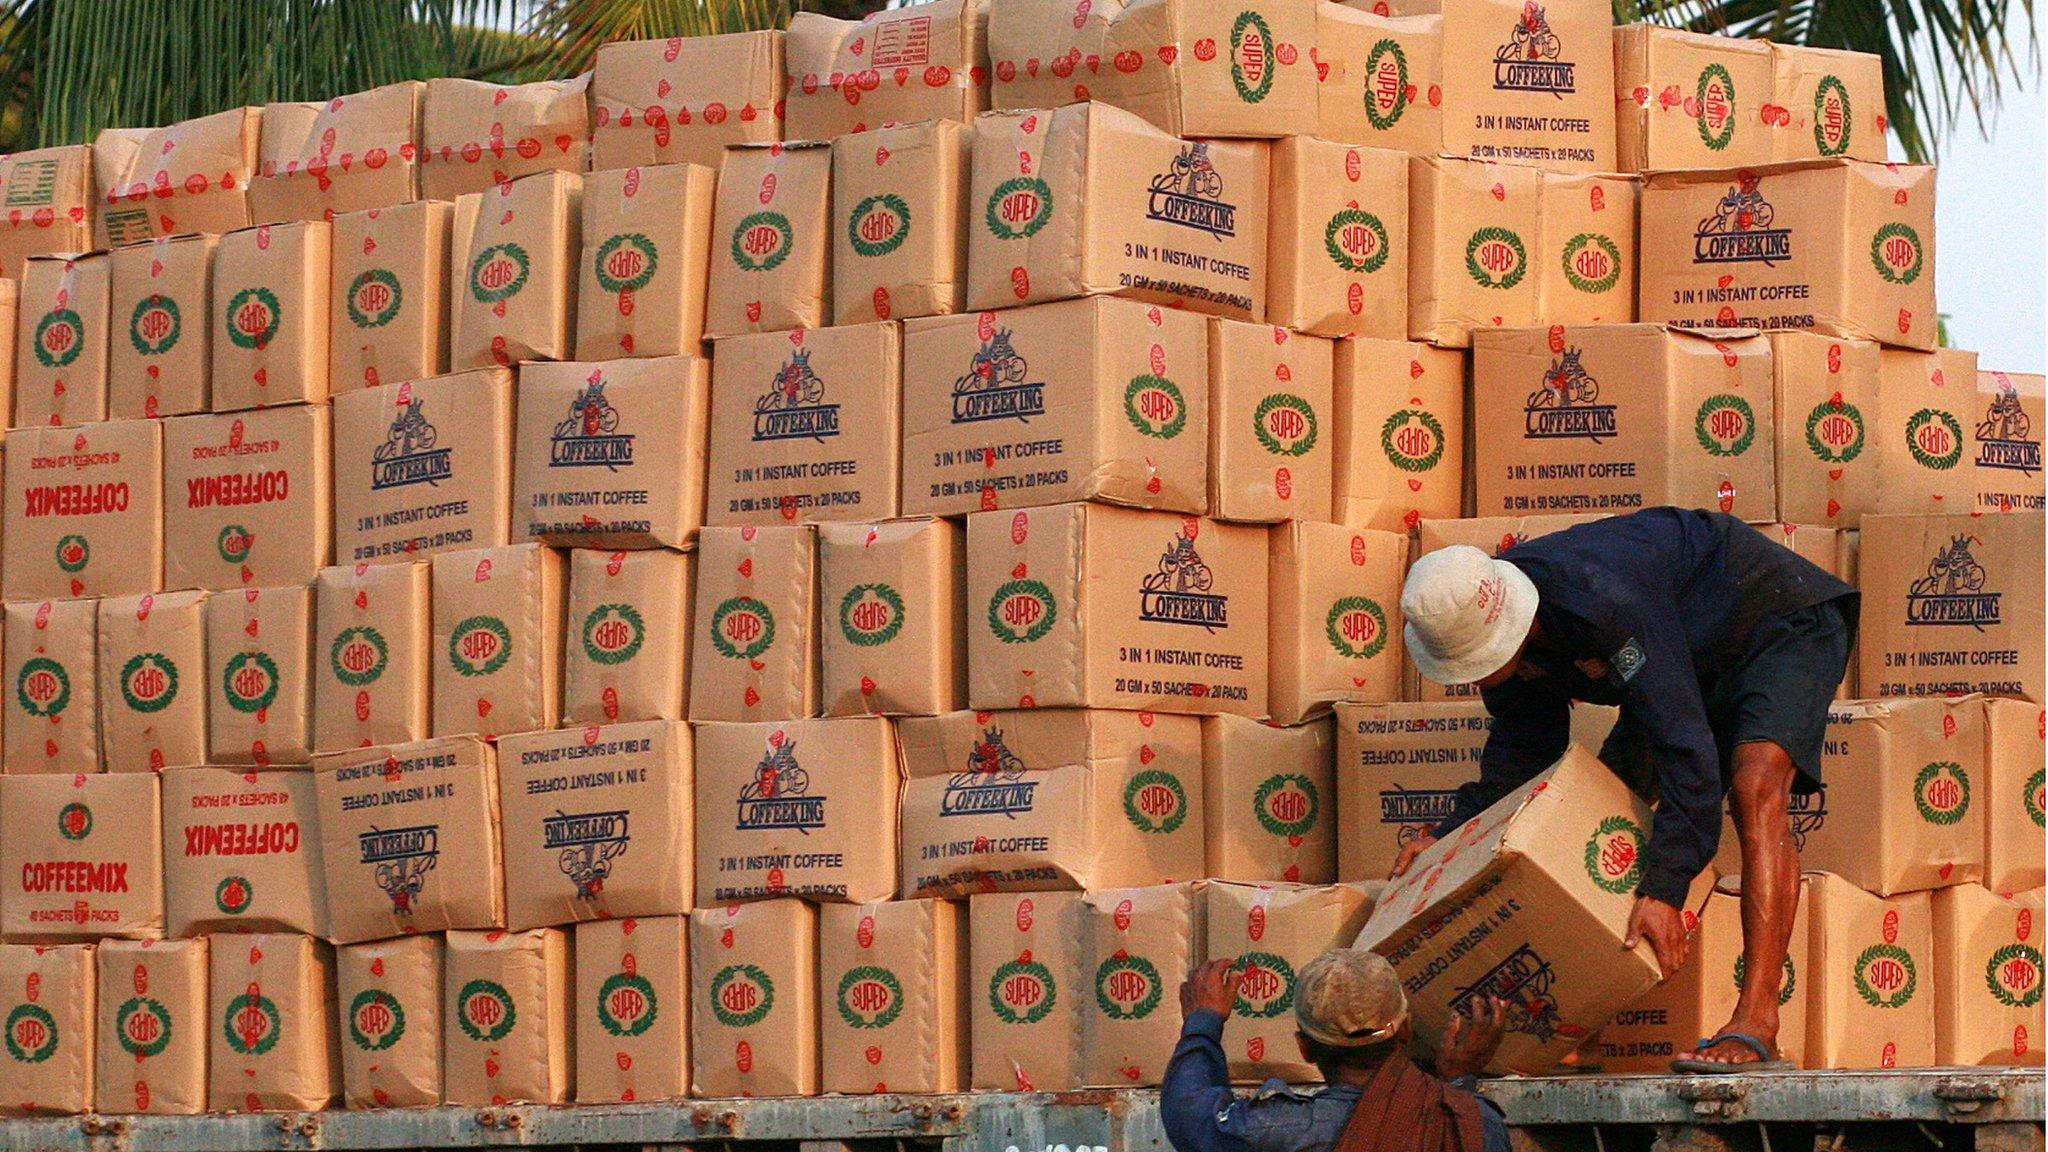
1987, 977
1871, 967
273, 1046
152, 711
1399, 767
387, 314
423, 466
48, 995
632, 1010
626, 655
1503, 58
1337, 239
52, 665
370, 655
1336, 632
48, 192
805, 425
269, 336
389, 993
1826, 395
771, 243
149, 1044
1269, 801
1586, 249
506, 1031
1137, 944
899, 590
754, 646
902, 194
113, 152
1473, 231
475, 136
683, 99
1906, 797
387, 817
1687, 100
61, 340
309, 155
896, 978
1380, 79
84, 859
612, 454
2009, 472
10, 307
497, 647
1925, 429
106, 498
242, 853
1951, 604
814, 811
514, 253
1092, 399
647, 256
259, 677
1623, 417
896, 66
155, 290
1023, 952
597, 823
1271, 931
1189, 217
1269, 411
1079, 605
191, 176
1826, 102
1396, 463
1838, 247
248, 498
754, 994
2014, 795
1049, 799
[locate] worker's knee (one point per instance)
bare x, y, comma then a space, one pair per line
1763, 781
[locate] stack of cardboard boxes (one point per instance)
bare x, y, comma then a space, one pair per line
851, 559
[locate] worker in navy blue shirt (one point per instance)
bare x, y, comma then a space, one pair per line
1351, 1021
1723, 649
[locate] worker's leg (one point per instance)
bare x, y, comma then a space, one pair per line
1770, 892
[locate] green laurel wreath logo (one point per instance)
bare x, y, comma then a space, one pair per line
511, 252
57, 701
771, 260
389, 1037
1612, 826
273, 318
1250, 21
1386, 120
895, 206
613, 985
753, 975
1038, 628
364, 634
1406, 461
143, 1006
1590, 285
62, 357
1921, 456
1820, 116
147, 662
649, 260
992, 215
1144, 1004
1144, 424
1284, 402
1785, 987
234, 543
1340, 256
1910, 272
1872, 996
234, 896
1144, 821
508, 1013
1486, 279
381, 316
496, 660
761, 643
888, 597
74, 821
1262, 804
1724, 402
240, 662
1024, 969
1278, 1004
250, 1042
42, 1051
2025, 997
73, 553
174, 325
2032, 797
628, 617
1819, 447
889, 1012
1712, 139
1333, 627
1928, 775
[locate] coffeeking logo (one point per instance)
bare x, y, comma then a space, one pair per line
1285, 425
374, 298
994, 782
60, 338
1155, 407
2002, 436
625, 263
1416, 809
779, 797
1189, 194
1614, 855
408, 454
761, 241
1386, 84
1018, 208
399, 859
627, 1005
155, 325
2013, 973
870, 997
479, 646
499, 272
376, 1020
42, 687
485, 1012
1725, 425
1155, 802
1267, 989
31, 1033
1739, 230
1942, 793
1180, 590
793, 407
1127, 987
878, 225
742, 995
142, 1026
1715, 93
997, 385
613, 634
249, 682
358, 656
1022, 611
1287, 805
1953, 594
253, 318
1524, 981
1356, 627
1834, 431
589, 436
1833, 122
742, 628
1022, 991
1566, 405
1356, 241
585, 845
1532, 57
870, 615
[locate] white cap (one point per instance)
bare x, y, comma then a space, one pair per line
1467, 614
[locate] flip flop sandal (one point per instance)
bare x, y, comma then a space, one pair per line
1764, 1062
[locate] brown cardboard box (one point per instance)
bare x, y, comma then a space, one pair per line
1826, 102
1079, 605
897, 66
2009, 472
1399, 767
112, 225
1987, 977
1269, 801
901, 195
2014, 796
268, 343
475, 136
771, 243
626, 654
814, 805
611, 454
805, 425
497, 647
754, 645
1137, 944
1050, 798
1623, 417
47, 994
387, 817
1820, 545
10, 307
1906, 795
155, 289
149, 1051
1336, 633
1826, 394
754, 1000
646, 257
1474, 229
1586, 249
1381, 78
387, 314
1687, 100
506, 1031
61, 340
48, 193
1270, 931
273, 1046
897, 591
1951, 604
390, 1001
683, 99
893, 993
1338, 238
632, 1010
1189, 217
83, 858
259, 677
309, 155
1269, 415
152, 690
513, 258
1397, 463
1504, 59
242, 853
597, 823
94, 527
52, 665
191, 176
370, 655
248, 497
1841, 248
1870, 971
423, 466
1926, 431
1493, 535
1023, 953
1094, 399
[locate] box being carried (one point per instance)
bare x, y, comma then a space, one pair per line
422, 466
150, 1052
684, 99
47, 996
632, 1009
1951, 604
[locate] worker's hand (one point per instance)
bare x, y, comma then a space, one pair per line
1408, 854
1664, 927
1213, 986
1471, 1040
